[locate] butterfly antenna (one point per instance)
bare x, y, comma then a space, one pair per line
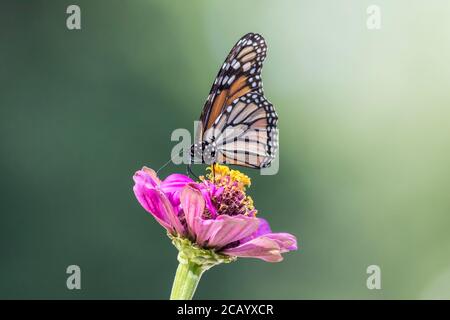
164, 165
168, 161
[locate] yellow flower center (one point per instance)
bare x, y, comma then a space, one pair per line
222, 175
233, 200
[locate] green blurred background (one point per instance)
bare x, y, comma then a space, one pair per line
364, 135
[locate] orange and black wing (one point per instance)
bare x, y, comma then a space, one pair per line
246, 133
240, 74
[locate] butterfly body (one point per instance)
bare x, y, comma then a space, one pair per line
238, 125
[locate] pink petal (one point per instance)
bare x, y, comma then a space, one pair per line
209, 204
146, 176
172, 187
175, 182
233, 228
217, 233
193, 206
207, 192
267, 247
152, 174
172, 217
261, 248
263, 228
286, 241
149, 200
156, 202
206, 229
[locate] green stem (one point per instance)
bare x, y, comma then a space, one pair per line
186, 280
193, 261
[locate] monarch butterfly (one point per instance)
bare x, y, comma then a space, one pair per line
238, 125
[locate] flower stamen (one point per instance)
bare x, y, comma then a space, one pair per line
232, 200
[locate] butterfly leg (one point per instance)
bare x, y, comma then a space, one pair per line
190, 173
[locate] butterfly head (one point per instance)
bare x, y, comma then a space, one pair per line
203, 152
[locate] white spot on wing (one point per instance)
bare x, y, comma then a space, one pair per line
230, 81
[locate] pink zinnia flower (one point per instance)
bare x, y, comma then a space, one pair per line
212, 219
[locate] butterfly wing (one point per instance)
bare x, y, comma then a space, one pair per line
240, 74
246, 133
